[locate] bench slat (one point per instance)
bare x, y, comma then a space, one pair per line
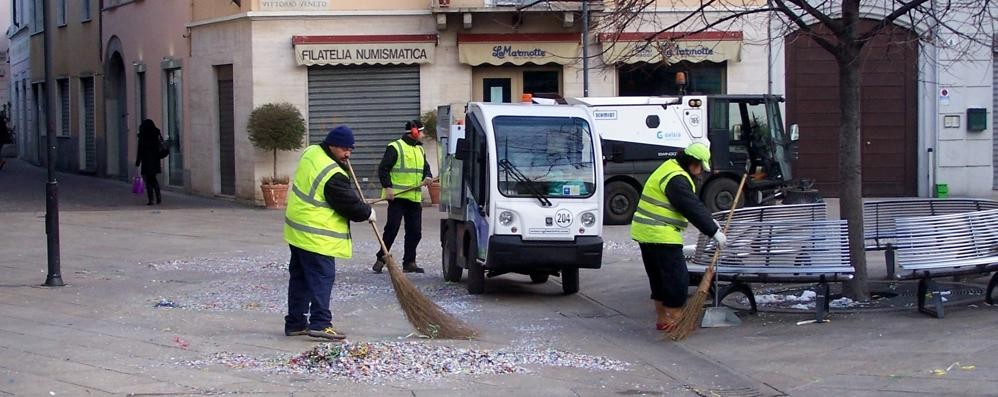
947, 243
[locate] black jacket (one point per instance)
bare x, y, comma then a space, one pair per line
680, 195
391, 156
147, 153
341, 194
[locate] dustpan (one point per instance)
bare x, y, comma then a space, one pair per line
719, 316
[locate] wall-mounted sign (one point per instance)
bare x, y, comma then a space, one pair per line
295, 5
361, 50
518, 49
671, 47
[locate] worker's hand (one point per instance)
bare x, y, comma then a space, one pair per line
427, 181
718, 224
373, 217
389, 194
720, 239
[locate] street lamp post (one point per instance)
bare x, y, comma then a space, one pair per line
54, 277
585, 48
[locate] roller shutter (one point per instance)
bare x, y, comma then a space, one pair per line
374, 101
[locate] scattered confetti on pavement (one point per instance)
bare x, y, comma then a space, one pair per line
376, 362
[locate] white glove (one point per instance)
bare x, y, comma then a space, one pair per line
720, 239
373, 217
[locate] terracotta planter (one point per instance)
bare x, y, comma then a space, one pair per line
275, 196
434, 189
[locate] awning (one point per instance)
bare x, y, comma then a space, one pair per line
671, 47
518, 49
364, 50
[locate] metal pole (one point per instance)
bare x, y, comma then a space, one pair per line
54, 278
585, 48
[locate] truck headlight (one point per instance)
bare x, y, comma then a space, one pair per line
505, 218
588, 219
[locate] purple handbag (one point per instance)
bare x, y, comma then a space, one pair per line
138, 185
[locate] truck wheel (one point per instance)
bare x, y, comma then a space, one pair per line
720, 194
619, 204
451, 270
570, 281
476, 273
539, 278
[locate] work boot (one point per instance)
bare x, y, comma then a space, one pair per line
412, 268
327, 333
378, 265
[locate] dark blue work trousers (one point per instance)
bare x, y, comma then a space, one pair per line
412, 212
309, 288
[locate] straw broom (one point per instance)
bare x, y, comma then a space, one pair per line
689, 320
424, 315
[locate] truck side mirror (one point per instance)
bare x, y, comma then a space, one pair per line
794, 132
461, 150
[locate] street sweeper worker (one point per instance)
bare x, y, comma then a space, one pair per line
404, 167
668, 203
317, 228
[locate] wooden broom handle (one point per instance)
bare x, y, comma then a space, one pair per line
709, 273
406, 190
384, 248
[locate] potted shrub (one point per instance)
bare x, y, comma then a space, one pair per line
273, 127
429, 120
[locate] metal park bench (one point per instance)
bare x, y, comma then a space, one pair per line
783, 251
944, 245
795, 212
879, 232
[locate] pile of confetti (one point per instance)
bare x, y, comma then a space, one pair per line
269, 262
375, 362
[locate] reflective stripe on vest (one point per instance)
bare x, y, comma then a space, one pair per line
407, 172
656, 220
309, 223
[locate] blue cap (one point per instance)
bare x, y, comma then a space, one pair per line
340, 136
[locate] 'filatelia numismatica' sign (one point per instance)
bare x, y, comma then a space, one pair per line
364, 50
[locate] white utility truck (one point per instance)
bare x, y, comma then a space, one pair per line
744, 132
522, 190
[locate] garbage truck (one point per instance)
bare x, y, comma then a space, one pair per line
744, 133
521, 189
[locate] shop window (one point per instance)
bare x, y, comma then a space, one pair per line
496, 90
63, 112
541, 82
645, 79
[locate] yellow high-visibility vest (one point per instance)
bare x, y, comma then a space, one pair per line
656, 220
408, 171
309, 222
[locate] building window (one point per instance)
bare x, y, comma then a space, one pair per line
60, 13
84, 10
15, 12
63, 107
651, 79
38, 24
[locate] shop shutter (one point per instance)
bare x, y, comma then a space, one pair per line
374, 101
89, 127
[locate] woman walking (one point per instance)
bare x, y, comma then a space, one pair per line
147, 157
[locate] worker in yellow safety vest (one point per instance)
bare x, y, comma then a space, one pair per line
404, 167
321, 204
668, 203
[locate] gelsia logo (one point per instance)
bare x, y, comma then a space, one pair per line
505, 51
605, 115
668, 135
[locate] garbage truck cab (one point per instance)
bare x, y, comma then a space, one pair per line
522, 190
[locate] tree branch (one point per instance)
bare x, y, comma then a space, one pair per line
823, 42
889, 19
835, 26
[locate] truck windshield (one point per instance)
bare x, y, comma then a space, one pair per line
554, 154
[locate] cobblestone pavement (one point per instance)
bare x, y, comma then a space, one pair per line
188, 298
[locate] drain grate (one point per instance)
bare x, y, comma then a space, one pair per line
734, 392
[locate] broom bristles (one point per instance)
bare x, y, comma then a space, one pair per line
691, 317
424, 315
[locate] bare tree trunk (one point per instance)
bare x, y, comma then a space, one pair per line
850, 167
275, 164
